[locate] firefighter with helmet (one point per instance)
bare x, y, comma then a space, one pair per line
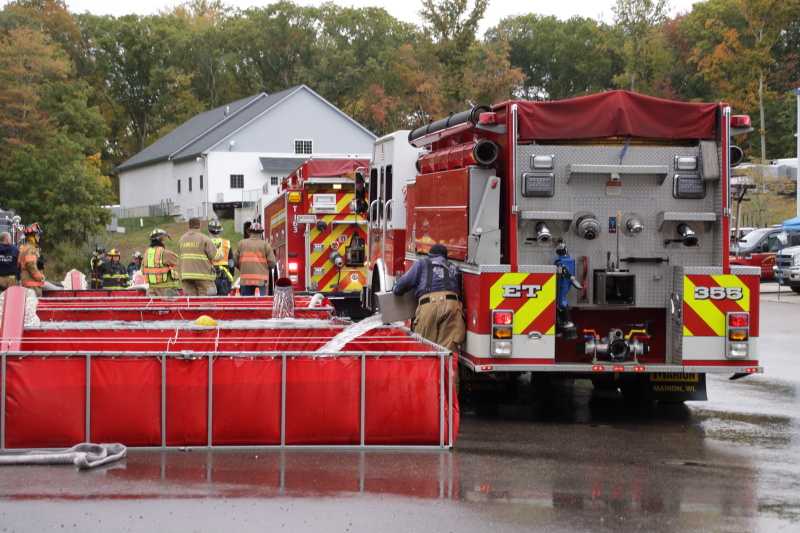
30, 275
197, 254
114, 273
224, 265
254, 258
159, 266
96, 267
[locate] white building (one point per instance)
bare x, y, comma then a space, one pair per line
233, 157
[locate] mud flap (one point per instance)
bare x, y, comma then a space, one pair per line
483, 387
668, 387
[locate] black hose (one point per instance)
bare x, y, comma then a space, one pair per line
471, 115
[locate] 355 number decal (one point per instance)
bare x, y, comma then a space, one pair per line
718, 293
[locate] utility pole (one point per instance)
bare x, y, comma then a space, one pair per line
797, 135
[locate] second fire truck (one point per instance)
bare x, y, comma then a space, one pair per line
317, 228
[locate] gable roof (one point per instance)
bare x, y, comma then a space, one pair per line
208, 129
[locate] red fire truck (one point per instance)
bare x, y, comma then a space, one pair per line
317, 227
592, 233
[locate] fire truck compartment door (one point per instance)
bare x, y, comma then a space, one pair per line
484, 230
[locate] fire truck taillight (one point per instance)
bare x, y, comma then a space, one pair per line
503, 318
502, 332
738, 320
737, 345
293, 272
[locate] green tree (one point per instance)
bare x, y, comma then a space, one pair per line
559, 59
451, 27
272, 47
204, 50
48, 135
138, 75
734, 48
356, 48
644, 45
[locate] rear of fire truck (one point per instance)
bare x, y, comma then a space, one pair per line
317, 228
593, 235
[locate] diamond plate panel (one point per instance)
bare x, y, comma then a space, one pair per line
645, 197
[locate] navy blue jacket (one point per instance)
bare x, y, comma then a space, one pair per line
417, 277
8, 260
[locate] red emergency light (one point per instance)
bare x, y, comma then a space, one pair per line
740, 121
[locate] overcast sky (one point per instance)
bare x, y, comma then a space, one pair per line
405, 10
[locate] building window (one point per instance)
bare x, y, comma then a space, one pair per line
237, 181
201, 182
302, 147
190, 184
274, 181
179, 186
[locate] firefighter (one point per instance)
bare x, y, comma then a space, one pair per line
30, 275
224, 265
159, 266
437, 282
135, 265
9, 256
254, 258
96, 264
197, 254
114, 273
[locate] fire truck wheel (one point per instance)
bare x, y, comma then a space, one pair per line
634, 392
376, 288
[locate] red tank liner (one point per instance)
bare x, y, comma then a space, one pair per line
135, 314
403, 390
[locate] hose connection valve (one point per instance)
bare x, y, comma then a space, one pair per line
615, 347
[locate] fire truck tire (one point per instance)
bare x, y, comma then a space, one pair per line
634, 392
376, 288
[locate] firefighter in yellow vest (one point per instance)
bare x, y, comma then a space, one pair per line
254, 258
30, 275
159, 266
197, 254
96, 268
224, 265
114, 273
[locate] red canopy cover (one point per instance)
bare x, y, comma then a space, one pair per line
616, 113
328, 168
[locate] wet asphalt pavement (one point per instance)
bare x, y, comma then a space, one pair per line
566, 458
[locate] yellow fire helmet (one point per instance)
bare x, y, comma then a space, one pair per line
205, 320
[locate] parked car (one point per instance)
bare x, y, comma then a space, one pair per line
787, 264
757, 248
